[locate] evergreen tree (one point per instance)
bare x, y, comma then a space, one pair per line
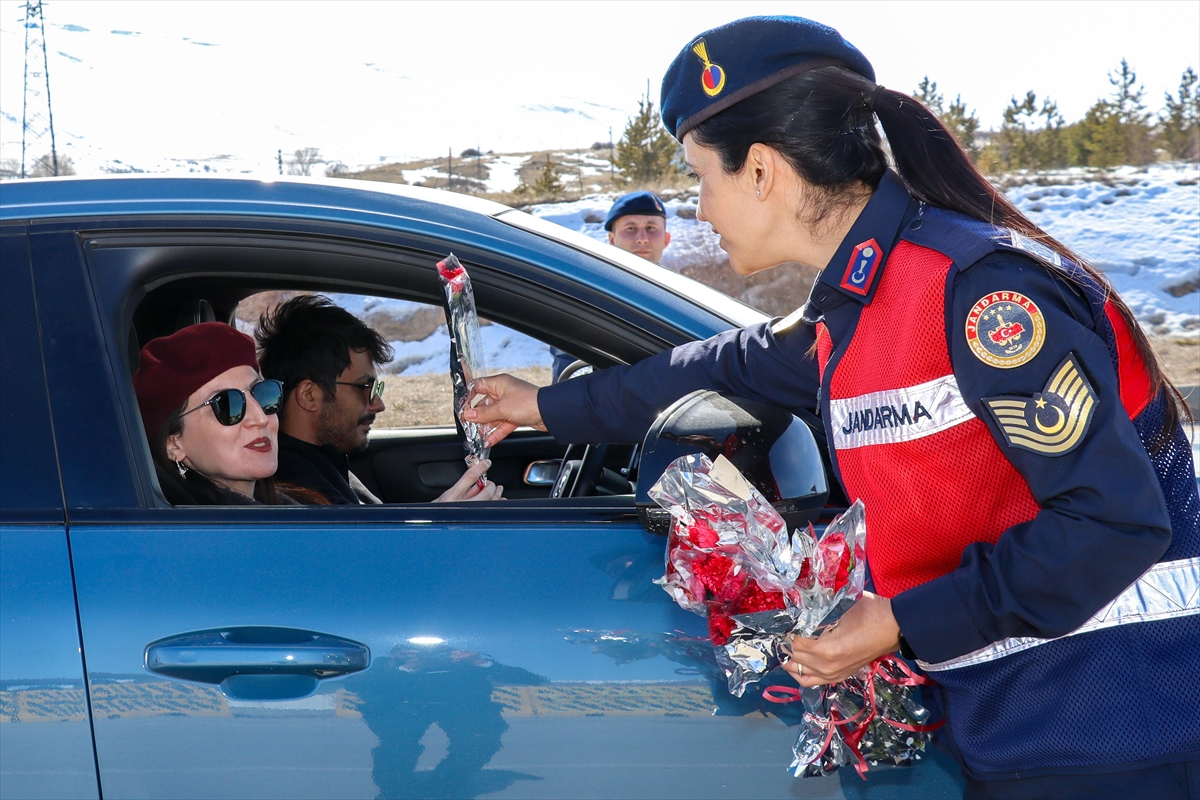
646, 152
549, 183
547, 188
1117, 130
957, 118
1179, 123
929, 96
1031, 136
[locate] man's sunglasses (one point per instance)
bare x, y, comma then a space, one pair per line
229, 405
373, 388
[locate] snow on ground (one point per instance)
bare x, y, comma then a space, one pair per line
1143, 230
503, 175
1141, 227
363, 306
417, 176
504, 349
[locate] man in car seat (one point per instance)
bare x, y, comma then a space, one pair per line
328, 360
636, 223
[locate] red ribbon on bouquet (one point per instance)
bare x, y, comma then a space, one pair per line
854, 734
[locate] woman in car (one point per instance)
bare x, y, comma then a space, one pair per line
209, 415
1034, 525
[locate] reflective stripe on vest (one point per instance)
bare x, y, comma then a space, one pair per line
1167, 590
899, 425
898, 415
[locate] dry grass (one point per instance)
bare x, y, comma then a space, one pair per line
1181, 362
426, 399
467, 173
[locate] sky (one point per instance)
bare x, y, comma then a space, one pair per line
150, 85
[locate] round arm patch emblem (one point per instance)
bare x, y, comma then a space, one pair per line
1005, 329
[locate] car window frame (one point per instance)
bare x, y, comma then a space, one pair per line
34, 397
119, 299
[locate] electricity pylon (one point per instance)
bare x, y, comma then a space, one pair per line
37, 120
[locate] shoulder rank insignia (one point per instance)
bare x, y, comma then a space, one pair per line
860, 272
1005, 329
1053, 421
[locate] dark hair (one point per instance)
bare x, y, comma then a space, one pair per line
199, 487
821, 122
310, 338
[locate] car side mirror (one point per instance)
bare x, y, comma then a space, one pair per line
773, 448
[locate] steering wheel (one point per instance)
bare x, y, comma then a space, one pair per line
574, 370
581, 464
581, 467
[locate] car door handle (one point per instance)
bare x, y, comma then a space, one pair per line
259, 662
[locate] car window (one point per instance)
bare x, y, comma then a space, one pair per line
418, 390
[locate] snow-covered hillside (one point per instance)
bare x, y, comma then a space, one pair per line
504, 349
1142, 227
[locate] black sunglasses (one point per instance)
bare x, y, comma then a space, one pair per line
229, 405
373, 388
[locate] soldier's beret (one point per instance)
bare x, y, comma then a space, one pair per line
646, 203
725, 65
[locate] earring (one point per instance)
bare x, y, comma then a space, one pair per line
758, 193
182, 468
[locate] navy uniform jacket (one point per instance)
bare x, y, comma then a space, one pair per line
1107, 511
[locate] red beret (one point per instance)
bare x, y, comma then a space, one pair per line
174, 366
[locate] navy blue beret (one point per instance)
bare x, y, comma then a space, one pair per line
728, 64
635, 203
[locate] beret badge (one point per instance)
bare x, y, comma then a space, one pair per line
713, 76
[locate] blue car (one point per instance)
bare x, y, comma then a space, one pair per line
508, 649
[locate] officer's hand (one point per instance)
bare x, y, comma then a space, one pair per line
467, 487
510, 402
864, 633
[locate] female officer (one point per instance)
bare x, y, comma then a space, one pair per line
1032, 510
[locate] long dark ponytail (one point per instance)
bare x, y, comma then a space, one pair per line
821, 121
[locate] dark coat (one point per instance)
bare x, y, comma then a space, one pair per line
321, 469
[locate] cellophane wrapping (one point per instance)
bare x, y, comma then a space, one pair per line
467, 362
730, 558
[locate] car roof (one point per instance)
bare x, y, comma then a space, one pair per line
371, 203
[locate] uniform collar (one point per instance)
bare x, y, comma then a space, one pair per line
857, 266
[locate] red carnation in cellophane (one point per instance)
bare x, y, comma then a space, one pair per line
837, 562
701, 533
716, 572
754, 599
720, 625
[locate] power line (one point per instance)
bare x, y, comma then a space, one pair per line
37, 118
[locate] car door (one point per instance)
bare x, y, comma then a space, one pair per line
457, 650
45, 731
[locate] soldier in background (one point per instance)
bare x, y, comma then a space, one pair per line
636, 223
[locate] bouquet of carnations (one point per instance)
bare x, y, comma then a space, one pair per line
731, 558
466, 351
